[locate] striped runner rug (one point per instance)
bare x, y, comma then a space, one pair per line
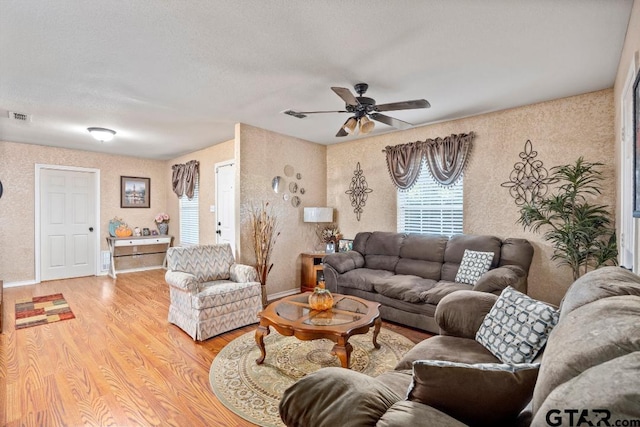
42, 310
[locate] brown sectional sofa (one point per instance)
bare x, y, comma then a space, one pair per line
589, 371
408, 274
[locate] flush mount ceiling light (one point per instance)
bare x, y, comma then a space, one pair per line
102, 134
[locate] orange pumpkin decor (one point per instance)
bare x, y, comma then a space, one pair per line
320, 299
123, 231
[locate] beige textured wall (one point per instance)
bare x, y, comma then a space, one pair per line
207, 157
17, 206
629, 52
561, 131
261, 155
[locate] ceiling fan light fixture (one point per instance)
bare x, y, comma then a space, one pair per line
102, 134
366, 125
350, 125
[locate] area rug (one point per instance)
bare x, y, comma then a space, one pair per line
254, 391
42, 310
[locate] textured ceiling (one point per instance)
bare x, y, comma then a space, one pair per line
174, 76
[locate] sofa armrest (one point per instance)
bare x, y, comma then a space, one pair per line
461, 313
243, 273
344, 261
496, 280
181, 280
333, 397
338, 263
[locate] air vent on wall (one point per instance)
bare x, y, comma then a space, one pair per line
21, 117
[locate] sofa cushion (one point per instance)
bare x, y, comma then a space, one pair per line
408, 413
206, 262
422, 255
473, 265
336, 397
594, 389
517, 327
459, 243
453, 349
478, 394
579, 342
516, 252
398, 381
383, 250
441, 290
601, 283
362, 278
405, 288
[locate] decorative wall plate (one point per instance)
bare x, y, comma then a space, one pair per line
295, 201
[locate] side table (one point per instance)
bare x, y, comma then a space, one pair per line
311, 271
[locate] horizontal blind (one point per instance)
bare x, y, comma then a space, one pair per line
429, 208
190, 218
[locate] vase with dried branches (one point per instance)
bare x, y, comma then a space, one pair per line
264, 224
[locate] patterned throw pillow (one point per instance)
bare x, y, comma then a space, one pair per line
473, 265
517, 326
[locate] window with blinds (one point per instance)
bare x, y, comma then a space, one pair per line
428, 208
190, 218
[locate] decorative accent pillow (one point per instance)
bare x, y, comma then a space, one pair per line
473, 265
483, 394
517, 327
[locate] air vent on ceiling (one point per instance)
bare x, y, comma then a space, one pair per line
21, 117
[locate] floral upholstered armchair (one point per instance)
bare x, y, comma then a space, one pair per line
210, 293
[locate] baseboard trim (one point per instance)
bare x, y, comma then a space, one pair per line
21, 283
283, 294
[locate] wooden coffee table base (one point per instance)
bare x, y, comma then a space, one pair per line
342, 348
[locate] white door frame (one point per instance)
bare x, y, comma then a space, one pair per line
96, 172
627, 223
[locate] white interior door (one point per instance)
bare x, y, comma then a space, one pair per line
67, 215
225, 201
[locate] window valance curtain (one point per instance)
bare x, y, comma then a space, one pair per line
445, 157
184, 177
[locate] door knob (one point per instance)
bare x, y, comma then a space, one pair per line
218, 232
90, 228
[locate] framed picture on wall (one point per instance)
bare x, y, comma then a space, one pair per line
636, 147
345, 245
135, 192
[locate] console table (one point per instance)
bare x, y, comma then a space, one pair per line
133, 242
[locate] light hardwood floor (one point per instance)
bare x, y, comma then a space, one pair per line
118, 363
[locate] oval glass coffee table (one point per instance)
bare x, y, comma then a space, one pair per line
293, 316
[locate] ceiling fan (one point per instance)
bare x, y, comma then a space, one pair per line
364, 110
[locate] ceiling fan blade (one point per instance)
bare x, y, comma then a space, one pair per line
342, 132
391, 121
346, 95
404, 105
303, 114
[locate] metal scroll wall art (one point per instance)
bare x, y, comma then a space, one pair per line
529, 180
358, 191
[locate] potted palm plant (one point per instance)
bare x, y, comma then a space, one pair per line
579, 230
